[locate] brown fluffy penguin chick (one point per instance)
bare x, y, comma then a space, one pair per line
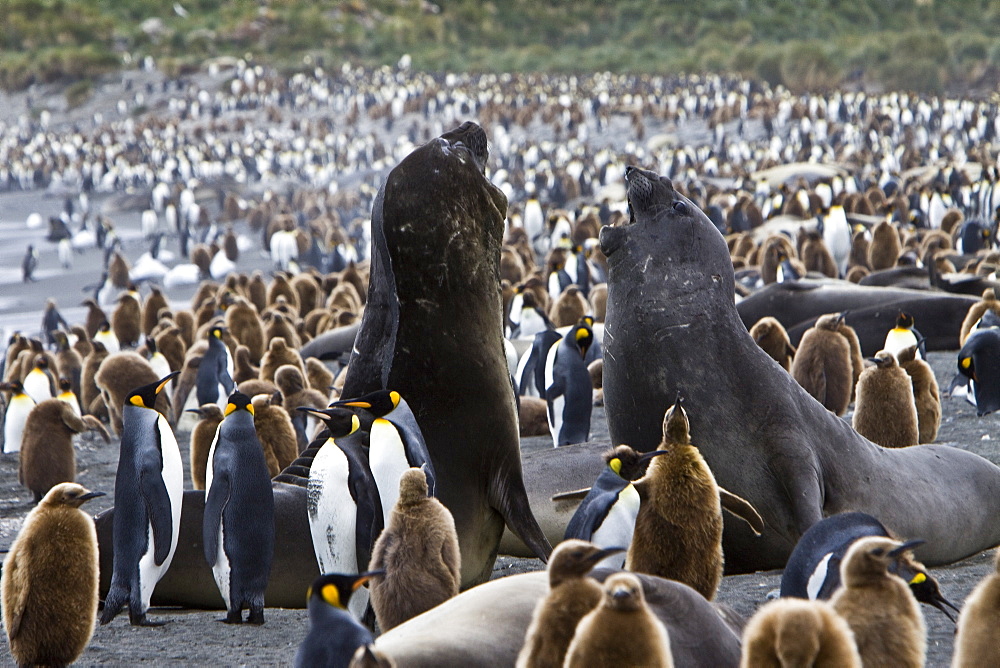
976, 643
988, 302
275, 432
621, 631
126, 320
292, 385
569, 307
857, 359
816, 256
50, 578
794, 632
95, 316
879, 607
202, 437
858, 256
418, 550
278, 354
885, 412
117, 376
243, 368
678, 530
88, 387
926, 394
772, 338
884, 248
572, 594
822, 364
245, 325
599, 300
82, 344
320, 378
532, 416
151, 308
47, 456
855, 274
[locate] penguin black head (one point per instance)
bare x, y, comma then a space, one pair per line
65, 385
904, 320
379, 403
340, 421
216, 332
924, 587
104, 326
41, 362
628, 463
238, 401
15, 387
583, 335
69, 494
145, 396
335, 589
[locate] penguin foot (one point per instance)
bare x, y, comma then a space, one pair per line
256, 617
143, 620
235, 617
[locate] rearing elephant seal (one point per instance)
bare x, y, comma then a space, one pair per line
433, 331
672, 326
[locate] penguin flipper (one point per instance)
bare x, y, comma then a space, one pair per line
15, 598
94, 424
553, 392
742, 509
215, 502
224, 378
575, 495
154, 494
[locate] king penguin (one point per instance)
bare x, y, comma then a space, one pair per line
606, 516
878, 606
50, 578
568, 390
813, 568
149, 487
214, 381
572, 594
334, 635
904, 335
395, 444
979, 362
239, 513
344, 509
15, 416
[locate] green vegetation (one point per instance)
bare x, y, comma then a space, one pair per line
926, 45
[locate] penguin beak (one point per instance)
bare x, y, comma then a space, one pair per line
646, 456
908, 545
166, 379
600, 555
940, 602
365, 577
90, 495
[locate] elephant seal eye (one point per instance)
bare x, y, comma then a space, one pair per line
681, 207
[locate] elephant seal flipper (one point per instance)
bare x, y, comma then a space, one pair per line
433, 331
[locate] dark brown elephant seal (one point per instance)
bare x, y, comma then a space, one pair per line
672, 326
189, 582
433, 331
464, 632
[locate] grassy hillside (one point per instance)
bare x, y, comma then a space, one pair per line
928, 45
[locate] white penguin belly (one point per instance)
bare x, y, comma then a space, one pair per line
555, 412
529, 389
36, 386
818, 577
221, 570
13, 427
617, 528
173, 479
387, 457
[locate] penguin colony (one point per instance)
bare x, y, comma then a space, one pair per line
544, 222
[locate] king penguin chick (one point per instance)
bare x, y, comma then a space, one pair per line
879, 607
149, 487
792, 632
18, 408
47, 456
976, 643
274, 431
988, 302
926, 394
572, 594
884, 248
334, 635
126, 320
678, 529
202, 437
621, 631
822, 364
49, 581
239, 544
770, 335
885, 412
418, 550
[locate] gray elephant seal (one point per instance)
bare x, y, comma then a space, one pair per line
437, 225
672, 326
463, 631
